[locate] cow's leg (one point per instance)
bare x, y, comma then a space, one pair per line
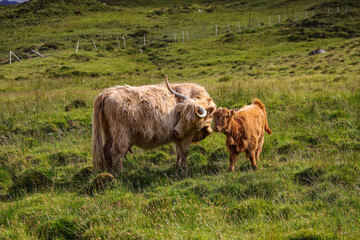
259, 149
233, 158
119, 148
118, 153
252, 156
182, 150
178, 160
107, 152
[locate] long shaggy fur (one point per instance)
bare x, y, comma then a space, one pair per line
99, 130
258, 103
146, 116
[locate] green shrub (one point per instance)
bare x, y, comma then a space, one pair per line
102, 181
225, 79
83, 175
198, 149
157, 157
309, 176
29, 182
250, 210
197, 159
64, 227
77, 103
67, 157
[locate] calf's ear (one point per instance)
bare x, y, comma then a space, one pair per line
210, 110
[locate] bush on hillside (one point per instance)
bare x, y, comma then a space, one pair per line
30, 181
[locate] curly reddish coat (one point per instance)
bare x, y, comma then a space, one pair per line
244, 130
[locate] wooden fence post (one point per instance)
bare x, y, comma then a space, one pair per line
37, 53
77, 46
94, 44
11, 53
216, 31
124, 41
117, 39
187, 35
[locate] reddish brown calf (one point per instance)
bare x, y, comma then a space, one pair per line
244, 130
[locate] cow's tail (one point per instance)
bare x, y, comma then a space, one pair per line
99, 131
258, 103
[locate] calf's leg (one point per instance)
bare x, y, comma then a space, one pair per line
251, 155
233, 158
259, 149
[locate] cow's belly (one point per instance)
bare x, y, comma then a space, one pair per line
152, 141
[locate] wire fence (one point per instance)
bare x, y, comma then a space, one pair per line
147, 37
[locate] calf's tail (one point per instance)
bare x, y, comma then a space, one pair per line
258, 103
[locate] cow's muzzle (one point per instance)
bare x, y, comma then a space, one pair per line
177, 135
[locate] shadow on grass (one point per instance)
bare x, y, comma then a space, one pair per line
140, 179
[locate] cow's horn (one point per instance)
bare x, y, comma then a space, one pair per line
200, 112
173, 92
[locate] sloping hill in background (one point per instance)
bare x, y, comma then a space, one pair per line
7, 3
307, 185
39, 11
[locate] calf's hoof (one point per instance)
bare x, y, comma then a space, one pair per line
254, 167
231, 169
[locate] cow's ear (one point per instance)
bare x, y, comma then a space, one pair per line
187, 111
180, 108
210, 110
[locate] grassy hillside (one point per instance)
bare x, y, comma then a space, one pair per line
307, 185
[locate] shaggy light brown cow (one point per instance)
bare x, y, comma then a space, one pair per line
148, 116
244, 130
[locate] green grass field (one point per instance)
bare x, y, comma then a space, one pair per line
307, 185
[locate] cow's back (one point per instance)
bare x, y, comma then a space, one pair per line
146, 113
